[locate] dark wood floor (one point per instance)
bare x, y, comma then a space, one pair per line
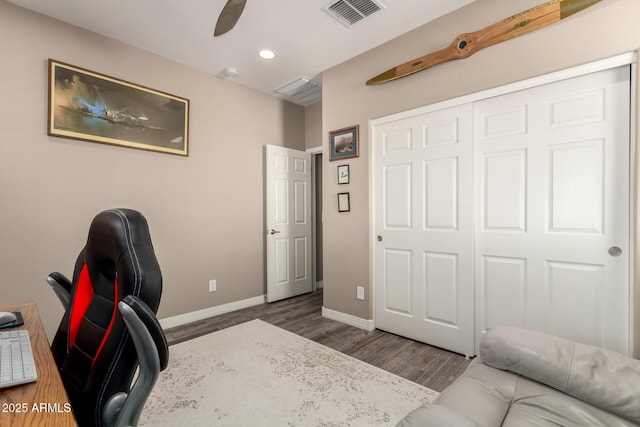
430, 366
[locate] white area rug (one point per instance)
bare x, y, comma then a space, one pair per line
256, 374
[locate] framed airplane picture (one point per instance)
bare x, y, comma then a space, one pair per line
89, 106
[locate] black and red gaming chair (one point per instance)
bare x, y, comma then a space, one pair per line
109, 327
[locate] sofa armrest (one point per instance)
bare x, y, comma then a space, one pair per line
594, 375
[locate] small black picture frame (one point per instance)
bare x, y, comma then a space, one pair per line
344, 202
343, 174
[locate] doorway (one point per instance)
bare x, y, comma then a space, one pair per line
317, 219
289, 221
293, 203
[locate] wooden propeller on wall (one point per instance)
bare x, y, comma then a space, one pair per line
467, 44
229, 16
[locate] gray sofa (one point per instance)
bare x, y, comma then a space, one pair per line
524, 378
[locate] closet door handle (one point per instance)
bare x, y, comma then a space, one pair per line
615, 251
272, 231
379, 238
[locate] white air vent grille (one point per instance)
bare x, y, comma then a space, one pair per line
302, 90
349, 12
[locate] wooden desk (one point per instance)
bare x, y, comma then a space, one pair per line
44, 402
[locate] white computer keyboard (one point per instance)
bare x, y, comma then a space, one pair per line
16, 358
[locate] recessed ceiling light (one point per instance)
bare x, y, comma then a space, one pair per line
267, 54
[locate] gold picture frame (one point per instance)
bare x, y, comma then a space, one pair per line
344, 143
89, 106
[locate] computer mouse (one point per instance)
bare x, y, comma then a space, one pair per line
7, 317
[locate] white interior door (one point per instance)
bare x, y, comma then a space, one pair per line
552, 242
423, 264
289, 223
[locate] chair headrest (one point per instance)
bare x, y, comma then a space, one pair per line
119, 246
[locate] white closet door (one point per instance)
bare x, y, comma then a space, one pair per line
423, 272
552, 198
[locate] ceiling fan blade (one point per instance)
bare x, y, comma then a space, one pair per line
229, 16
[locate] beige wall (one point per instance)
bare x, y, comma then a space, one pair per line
604, 30
313, 125
205, 211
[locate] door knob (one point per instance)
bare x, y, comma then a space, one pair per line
615, 251
379, 238
272, 231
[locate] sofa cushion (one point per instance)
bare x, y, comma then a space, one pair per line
491, 397
481, 394
434, 415
535, 405
597, 376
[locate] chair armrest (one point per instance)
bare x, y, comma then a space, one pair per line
152, 325
153, 356
61, 286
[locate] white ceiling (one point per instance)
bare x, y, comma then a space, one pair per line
306, 39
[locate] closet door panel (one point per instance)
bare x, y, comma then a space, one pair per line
552, 180
423, 265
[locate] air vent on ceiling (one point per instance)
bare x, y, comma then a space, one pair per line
302, 90
348, 12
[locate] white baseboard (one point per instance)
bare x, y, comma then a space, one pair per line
183, 319
319, 284
358, 322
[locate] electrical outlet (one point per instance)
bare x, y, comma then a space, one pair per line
360, 293
212, 286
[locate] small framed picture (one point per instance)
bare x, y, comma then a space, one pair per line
344, 143
343, 174
344, 204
